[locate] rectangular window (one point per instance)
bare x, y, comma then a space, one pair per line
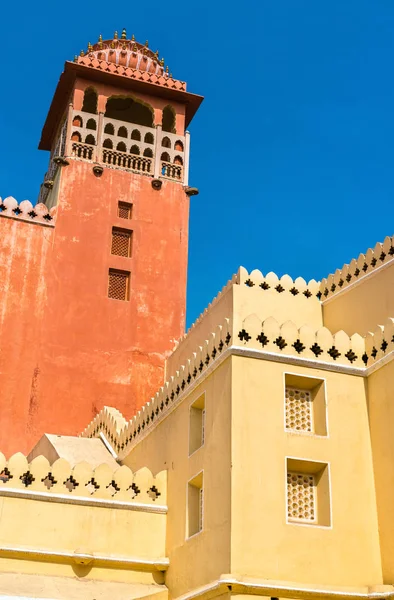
195, 505
118, 284
308, 492
305, 404
197, 424
124, 210
121, 242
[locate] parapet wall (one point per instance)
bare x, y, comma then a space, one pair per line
25, 211
82, 481
357, 269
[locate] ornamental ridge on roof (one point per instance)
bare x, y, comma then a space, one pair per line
126, 53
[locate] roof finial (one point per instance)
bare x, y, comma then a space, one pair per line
162, 62
82, 53
115, 35
147, 44
133, 38
167, 69
75, 58
100, 38
90, 47
124, 34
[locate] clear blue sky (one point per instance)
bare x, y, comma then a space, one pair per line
292, 149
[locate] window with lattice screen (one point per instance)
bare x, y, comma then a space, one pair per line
305, 405
118, 284
121, 242
308, 494
124, 210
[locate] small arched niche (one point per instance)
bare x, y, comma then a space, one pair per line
90, 101
178, 160
165, 156
109, 128
134, 149
122, 132
135, 135
178, 146
77, 121
76, 136
149, 139
90, 139
148, 152
91, 124
127, 109
166, 142
121, 147
168, 119
108, 144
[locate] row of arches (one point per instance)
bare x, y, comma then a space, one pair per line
166, 143
126, 108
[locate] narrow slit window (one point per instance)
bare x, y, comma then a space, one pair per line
121, 242
197, 424
195, 505
118, 284
124, 210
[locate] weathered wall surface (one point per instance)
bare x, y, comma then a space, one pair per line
68, 349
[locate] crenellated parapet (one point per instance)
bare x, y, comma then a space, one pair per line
81, 481
374, 259
25, 211
272, 284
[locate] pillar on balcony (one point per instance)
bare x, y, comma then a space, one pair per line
157, 169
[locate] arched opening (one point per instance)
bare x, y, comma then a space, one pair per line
178, 160
91, 124
76, 136
77, 121
122, 132
178, 146
90, 139
165, 142
109, 128
101, 56
168, 121
148, 152
90, 101
107, 143
135, 135
149, 139
165, 156
121, 147
129, 110
134, 149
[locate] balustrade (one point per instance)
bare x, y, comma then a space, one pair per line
122, 145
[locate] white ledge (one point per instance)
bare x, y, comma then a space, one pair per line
109, 560
287, 589
82, 500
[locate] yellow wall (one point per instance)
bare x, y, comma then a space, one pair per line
381, 415
262, 544
364, 306
205, 556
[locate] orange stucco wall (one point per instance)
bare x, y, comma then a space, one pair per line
66, 348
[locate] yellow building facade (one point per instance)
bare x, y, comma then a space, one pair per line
263, 467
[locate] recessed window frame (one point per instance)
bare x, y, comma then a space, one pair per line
127, 276
195, 501
122, 205
197, 424
323, 493
126, 233
319, 409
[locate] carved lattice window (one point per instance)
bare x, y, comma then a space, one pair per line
118, 285
298, 405
121, 242
301, 497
